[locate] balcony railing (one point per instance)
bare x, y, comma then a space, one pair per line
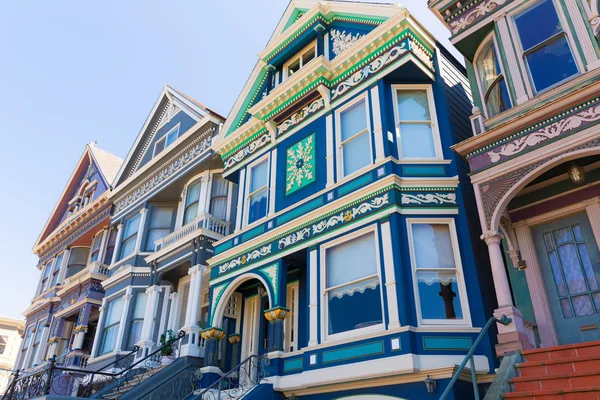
96, 268
203, 221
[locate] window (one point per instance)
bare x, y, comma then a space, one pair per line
57, 266
192, 202
137, 320
184, 290
439, 289
39, 332
545, 48
77, 260
130, 236
354, 137
352, 283
45, 276
3, 344
111, 325
416, 128
160, 225
300, 60
258, 190
491, 80
218, 197
96, 247
110, 246
166, 140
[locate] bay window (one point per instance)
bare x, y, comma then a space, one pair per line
416, 125
192, 202
130, 236
546, 51
218, 197
110, 246
112, 321
57, 267
37, 344
491, 80
78, 257
137, 320
96, 247
258, 190
439, 285
354, 137
161, 219
352, 283
45, 276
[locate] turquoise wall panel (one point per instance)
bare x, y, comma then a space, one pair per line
293, 364
447, 343
346, 353
421, 170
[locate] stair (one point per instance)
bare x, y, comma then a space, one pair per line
565, 372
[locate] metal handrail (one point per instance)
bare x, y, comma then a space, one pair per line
504, 320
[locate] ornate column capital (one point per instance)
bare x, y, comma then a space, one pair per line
234, 338
154, 289
197, 268
277, 313
490, 237
213, 333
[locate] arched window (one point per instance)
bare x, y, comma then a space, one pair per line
218, 197
491, 80
192, 202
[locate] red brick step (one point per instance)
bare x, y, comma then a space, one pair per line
559, 366
586, 349
572, 380
589, 393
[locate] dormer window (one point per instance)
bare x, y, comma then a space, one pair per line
300, 60
166, 140
491, 80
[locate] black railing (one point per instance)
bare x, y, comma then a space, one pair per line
238, 382
59, 380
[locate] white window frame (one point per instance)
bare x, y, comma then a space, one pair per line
292, 288
100, 332
435, 131
164, 139
298, 56
490, 38
186, 280
325, 336
460, 282
523, 66
203, 177
60, 267
338, 136
248, 195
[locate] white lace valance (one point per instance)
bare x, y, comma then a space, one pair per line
359, 287
429, 277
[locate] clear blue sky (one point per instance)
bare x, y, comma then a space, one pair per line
73, 71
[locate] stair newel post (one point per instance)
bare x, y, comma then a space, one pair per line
50, 374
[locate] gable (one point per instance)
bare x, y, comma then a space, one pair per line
171, 108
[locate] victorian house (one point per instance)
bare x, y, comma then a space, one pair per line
63, 315
535, 165
350, 265
11, 332
170, 204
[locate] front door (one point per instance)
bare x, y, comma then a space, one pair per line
569, 259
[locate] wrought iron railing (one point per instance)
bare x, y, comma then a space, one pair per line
238, 382
110, 382
504, 320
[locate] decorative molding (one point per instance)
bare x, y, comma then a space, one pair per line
372, 68
155, 127
429, 198
271, 272
342, 41
595, 24
546, 133
483, 8
181, 160
249, 149
300, 164
244, 259
300, 116
216, 297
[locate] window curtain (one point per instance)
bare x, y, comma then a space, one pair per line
160, 225
218, 200
110, 246
355, 148
135, 330
192, 199
96, 246
77, 260
57, 264
130, 236
111, 325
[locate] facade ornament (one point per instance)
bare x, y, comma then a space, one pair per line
595, 24
271, 274
300, 170
342, 41
213, 333
491, 237
300, 116
429, 198
277, 313
478, 11
246, 258
252, 147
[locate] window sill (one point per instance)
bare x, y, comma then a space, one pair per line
422, 161
353, 334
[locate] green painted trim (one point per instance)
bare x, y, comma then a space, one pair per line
477, 100
446, 343
355, 184
243, 144
255, 90
253, 232
353, 352
303, 209
422, 170
294, 364
510, 79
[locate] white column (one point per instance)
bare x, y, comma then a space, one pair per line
582, 35
516, 74
99, 328
273, 183
390, 276
314, 300
117, 249
102, 251
173, 314
240, 200
126, 302
593, 214
153, 293
501, 284
537, 289
195, 273
329, 149
141, 229
377, 127
163, 316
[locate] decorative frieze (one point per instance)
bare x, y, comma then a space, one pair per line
300, 116
300, 164
258, 143
429, 198
342, 41
181, 160
474, 14
245, 259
